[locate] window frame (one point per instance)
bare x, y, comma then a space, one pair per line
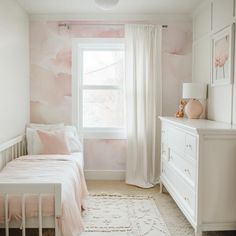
79, 45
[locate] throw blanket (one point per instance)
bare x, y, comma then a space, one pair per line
48, 169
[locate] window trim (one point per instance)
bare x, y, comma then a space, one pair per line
78, 45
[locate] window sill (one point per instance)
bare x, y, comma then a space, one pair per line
104, 135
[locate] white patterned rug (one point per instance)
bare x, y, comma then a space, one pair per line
121, 215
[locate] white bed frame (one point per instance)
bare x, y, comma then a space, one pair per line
8, 152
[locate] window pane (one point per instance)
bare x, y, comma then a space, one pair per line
103, 109
103, 67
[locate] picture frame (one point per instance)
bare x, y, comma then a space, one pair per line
222, 56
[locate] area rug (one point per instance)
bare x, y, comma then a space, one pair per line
123, 215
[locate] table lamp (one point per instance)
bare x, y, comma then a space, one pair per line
194, 92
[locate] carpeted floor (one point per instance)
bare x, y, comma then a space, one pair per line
174, 219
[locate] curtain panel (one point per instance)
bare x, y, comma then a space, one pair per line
143, 99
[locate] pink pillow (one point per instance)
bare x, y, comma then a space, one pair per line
54, 142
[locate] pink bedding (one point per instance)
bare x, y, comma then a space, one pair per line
62, 169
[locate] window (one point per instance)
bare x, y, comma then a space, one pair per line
101, 88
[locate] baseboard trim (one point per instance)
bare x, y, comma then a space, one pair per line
219, 226
104, 174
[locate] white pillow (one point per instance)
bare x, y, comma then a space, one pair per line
34, 144
30, 137
74, 141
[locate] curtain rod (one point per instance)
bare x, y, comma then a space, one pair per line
70, 24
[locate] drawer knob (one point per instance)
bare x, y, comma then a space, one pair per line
186, 199
189, 146
187, 171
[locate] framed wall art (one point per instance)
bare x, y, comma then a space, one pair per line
222, 56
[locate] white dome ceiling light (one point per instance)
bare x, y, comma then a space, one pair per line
106, 4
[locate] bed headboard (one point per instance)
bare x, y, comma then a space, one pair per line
12, 149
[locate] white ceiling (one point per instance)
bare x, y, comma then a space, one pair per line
124, 6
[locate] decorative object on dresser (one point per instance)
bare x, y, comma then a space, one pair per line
194, 91
198, 160
180, 112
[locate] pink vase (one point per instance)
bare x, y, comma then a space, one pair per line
193, 109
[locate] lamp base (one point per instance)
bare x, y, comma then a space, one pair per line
193, 109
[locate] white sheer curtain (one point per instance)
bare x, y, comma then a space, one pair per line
143, 89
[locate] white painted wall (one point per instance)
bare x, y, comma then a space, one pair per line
14, 69
210, 17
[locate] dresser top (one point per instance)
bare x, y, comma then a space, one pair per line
200, 125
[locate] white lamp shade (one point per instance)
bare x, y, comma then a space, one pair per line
106, 4
194, 91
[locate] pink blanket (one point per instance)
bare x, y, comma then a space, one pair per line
48, 169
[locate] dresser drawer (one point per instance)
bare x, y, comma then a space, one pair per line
180, 141
179, 188
164, 134
191, 145
186, 168
164, 145
164, 152
176, 140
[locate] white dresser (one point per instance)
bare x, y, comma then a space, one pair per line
198, 169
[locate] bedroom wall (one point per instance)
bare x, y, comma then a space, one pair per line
14, 70
176, 65
209, 18
50, 48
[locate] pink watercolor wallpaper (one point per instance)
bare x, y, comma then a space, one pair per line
51, 76
105, 154
51, 61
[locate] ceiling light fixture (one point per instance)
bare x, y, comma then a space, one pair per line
106, 4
